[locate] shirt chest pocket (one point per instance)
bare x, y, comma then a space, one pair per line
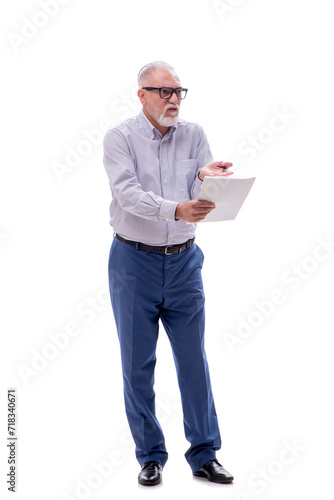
185, 171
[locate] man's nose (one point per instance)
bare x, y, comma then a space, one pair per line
173, 99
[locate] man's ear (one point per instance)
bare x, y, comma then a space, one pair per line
142, 96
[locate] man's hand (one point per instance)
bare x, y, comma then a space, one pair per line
215, 168
193, 210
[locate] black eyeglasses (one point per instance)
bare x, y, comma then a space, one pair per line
167, 92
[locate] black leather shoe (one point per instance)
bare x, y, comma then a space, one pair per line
214, 472
151, 474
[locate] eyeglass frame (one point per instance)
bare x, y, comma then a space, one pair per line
169, 88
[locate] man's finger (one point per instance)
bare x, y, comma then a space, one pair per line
203, 212
224, 164
205, 204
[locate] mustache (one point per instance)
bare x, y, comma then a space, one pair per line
171, 106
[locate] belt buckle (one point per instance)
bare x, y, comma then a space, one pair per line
166, 250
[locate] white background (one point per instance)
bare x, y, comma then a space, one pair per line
242, 61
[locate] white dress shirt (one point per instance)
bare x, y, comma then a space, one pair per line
150, 174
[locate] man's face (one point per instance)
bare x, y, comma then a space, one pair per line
163, 111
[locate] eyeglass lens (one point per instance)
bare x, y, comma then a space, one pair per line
166, 93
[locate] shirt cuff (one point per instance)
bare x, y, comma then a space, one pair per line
167, 211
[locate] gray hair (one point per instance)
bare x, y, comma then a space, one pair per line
148, 68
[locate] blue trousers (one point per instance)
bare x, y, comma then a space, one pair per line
145, 287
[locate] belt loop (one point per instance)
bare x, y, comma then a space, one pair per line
137, 245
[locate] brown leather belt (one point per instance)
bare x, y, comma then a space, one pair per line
168, 250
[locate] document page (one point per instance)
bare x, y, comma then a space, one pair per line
227, 193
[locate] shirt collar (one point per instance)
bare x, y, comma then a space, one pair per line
149, 127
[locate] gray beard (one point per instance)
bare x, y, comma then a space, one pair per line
168, 121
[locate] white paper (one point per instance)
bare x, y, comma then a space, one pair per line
227, 193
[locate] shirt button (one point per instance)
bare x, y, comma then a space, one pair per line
165, 180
